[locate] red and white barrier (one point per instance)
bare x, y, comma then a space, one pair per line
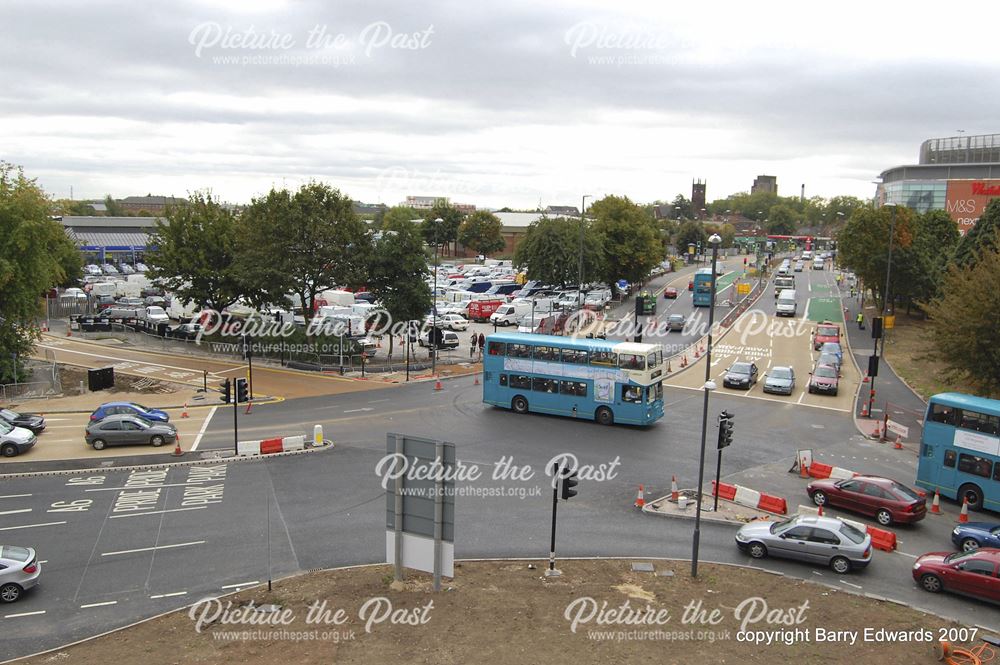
248, 448
750, 498
271, 446
820, 470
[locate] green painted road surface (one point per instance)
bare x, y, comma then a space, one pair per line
821, 288
825, 309
724, 281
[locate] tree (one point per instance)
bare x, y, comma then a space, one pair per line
400, 217
935, 239
982, 237
632, 244
680, 207
780, 220
690, 233
481, 231
195, 252
113, 207
447, 230
728, 234
550, 251
396, 274
964, 323
863, 246
35, 254
303, 243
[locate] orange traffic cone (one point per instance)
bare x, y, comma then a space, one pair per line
249, 408
437, 385
184, 413
803, 470
674, 494
696, 356
963, 516
878, 430
899, 444
177, 446
819, 510
864, 410
866, 379
476, 382
640, 501
668, 367
936, 503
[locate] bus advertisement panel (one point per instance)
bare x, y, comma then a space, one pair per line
703, 287
606, 381
960, 449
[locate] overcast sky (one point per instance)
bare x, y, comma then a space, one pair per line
496, 104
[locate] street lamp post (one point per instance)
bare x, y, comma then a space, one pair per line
709, 386
583, 222
885, 307
433, 333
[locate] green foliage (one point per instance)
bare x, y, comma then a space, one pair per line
728, 234
399, 217
936, 237
863, 246
781, 220
113, 207
397, 272
680, 207
632, 244
195, 255
35, 255
301, 243
447, 230
690, 233
964, 323
481, 231
550, 251
983, 237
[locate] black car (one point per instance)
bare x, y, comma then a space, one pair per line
364, 295
740, 375
26, 420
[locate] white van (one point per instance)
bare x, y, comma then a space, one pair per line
807, 255
819, 264
181, 311
104, 289
155, 314
783, 282
335, 297
786, 303
510, 314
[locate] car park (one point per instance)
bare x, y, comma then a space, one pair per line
152, 300
449, 322
103, 302
28, 421
155, 314
815, 539
124, 429
19, 571
824, 379
447, 340
973, 535
92, 269
73, 294
884, 499
140, 266
128, 409
15, 440
131, 302
109, 269
740, 375
779, 380
670, 292
972, 573
126, 269
675, 322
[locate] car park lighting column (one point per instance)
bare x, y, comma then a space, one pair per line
432, 335
579, 280
715, 241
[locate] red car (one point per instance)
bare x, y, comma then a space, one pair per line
971, 573
882, 498
670, 292
691, 285
826, 331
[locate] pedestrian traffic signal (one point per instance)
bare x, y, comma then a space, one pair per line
224, 389
241, 391
568, 483
873, 365
876, 327
725, 429
639, 306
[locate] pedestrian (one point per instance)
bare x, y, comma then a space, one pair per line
482, 344
861, 321
472, 349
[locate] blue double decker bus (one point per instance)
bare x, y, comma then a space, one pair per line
960, 449
702, 295
606, 381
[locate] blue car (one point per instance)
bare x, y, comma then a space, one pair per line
129, 409
834, 348
973, 535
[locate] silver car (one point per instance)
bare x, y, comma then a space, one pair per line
675, 322
826, 541
19, 571
780, 381
118, 430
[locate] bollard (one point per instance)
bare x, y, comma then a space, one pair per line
317, 435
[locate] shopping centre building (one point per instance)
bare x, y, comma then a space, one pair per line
959, 174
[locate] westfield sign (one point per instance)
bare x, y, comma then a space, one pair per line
982, 189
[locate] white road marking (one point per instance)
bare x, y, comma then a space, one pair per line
241, 584
105, 603
14, 512
134, 487
168, 595
805, 311
856, 586
374, 401
29, 526
155, 547
801, 397
23, 614
816, 572
44, 561
137, 362
204, 426
157, 512
912, 556
14, 496
357, 410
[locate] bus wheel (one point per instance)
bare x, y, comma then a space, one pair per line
519, 404
973, 495
604, 416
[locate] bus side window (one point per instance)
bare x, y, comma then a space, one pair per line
949, 458
942, 414
996, 472
503, 379
497, 349
977, 466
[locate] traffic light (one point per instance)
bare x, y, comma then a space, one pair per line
567, 485
639, 306
224, 389
877, 327
241, 391
725, 429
